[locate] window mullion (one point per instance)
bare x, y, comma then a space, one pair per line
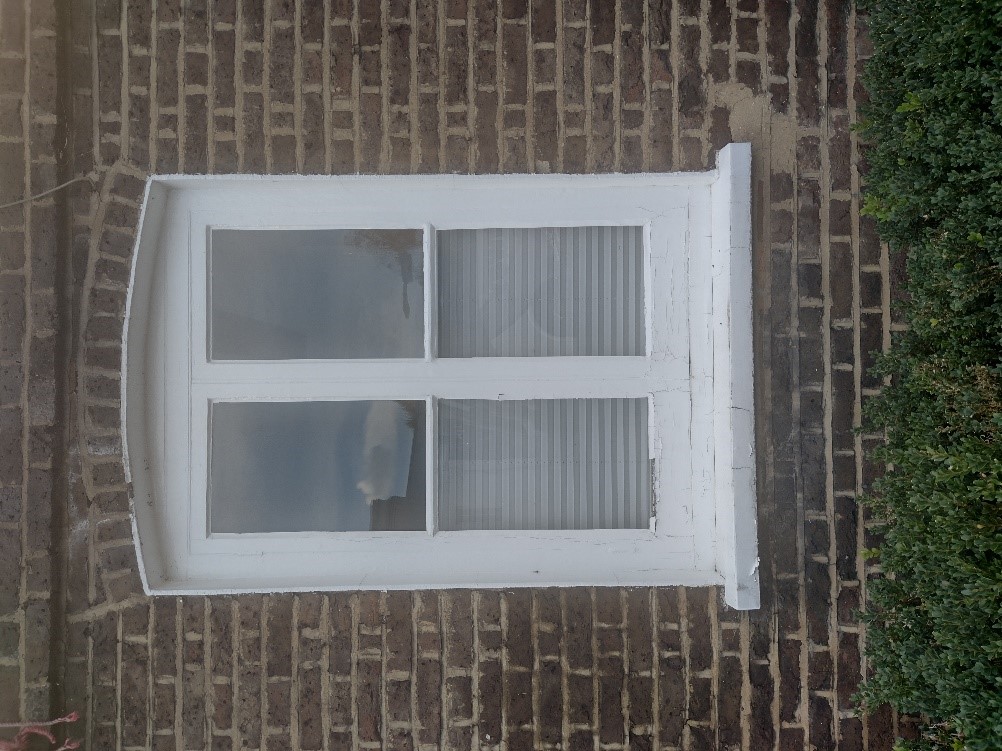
430, 353
430, 294
431, 466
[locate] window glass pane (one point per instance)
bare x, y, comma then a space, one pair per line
543, 464
317, 466
541, 292
327, 294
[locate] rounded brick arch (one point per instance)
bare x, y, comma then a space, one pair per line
113, 569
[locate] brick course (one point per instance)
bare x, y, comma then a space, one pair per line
398, 86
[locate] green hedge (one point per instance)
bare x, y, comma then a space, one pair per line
934, 129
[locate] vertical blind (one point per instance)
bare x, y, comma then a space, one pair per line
541, 292
543, 464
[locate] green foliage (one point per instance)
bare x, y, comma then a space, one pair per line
934, 125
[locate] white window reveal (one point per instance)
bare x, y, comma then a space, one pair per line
403, 382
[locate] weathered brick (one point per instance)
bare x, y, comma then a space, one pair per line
821, 729
747, 34
809, 219
842, 346
574, 127
843, 409
818, 595
10, 561
697, 613
762, 732
11, 250
691, 89
610, 700
809, 280
880, 728
814, 470
845, 538
11, 425
849, 668
806, 63
787, 558
107, 474
789, 679
871, 344
10, 640
13, 309
820, 673
135, 688
720, 130
398, 631
729, 709
279, 635
10, 504
368, 699
749, 74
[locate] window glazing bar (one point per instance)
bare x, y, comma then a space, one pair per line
431, 457
430, 294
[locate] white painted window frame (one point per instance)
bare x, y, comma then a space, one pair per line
696, 375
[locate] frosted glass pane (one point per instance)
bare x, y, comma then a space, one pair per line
317, 466
541, 292
327, 294
543, 464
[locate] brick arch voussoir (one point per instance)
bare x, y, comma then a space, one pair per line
107, 517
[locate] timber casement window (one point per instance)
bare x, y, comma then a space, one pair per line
440, 381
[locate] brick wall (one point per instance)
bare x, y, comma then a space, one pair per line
427, 86
30, 410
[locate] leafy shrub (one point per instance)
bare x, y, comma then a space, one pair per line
934, 125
